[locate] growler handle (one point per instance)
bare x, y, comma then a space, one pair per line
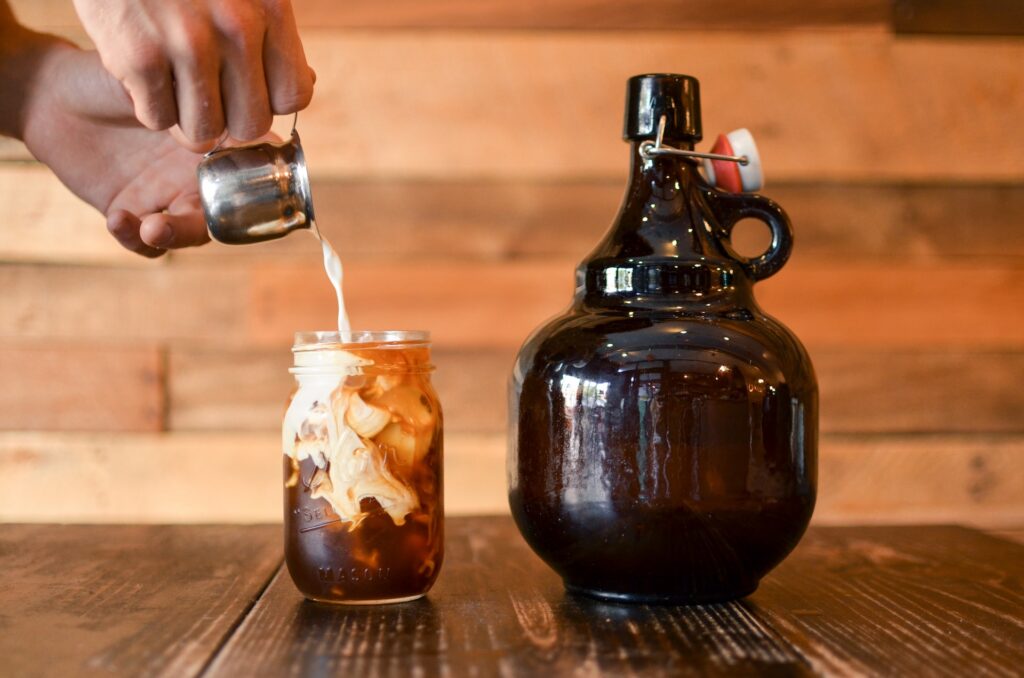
731, 207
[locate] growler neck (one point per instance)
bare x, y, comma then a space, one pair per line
665, 243
666, 180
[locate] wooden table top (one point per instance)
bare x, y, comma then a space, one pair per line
214, 601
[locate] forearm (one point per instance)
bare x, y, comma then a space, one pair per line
23, 55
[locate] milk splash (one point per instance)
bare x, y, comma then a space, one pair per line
332, 264
350, 439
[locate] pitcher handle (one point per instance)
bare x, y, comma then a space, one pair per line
731, 207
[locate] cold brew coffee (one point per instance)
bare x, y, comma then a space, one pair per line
363, 468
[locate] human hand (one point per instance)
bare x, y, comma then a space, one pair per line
80, 122
203, 65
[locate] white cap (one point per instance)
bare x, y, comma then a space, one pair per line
751, 175
737, 142
709, 170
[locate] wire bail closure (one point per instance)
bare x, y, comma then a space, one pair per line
653, 149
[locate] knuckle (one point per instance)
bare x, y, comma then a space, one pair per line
192, 45
147, 62
242, 29
153, 110
290, 103
212, 124
275, 8
150, 115
292, 98
253, 125
116, 228
203, 129
160, 120
192, 129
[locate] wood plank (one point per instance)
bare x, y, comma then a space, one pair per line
123, 305
593, 14
470, 304
498, 610
862, 391
45, 222
920, 221
515, 219
916, 391
127, 600
195, 478
921, 479
463, 305
481, 305
563, 14
70, 387
848, 601
924, 306
1016, 535
128, 478
235, 477
816, 103
958, 17
899, 601
519, 219
814, 99
227, 390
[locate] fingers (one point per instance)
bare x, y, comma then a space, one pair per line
224, 66
173, 231
197, 147
289, 78
197, 87
151, 88
124, 226
244, 85
182, 225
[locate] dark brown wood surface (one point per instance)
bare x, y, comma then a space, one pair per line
900, 601
130, 600
125, 600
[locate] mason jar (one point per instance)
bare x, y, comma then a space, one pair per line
363, 451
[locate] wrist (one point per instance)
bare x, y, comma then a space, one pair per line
23, 58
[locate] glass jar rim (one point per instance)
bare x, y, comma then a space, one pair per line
332, 339
350, 352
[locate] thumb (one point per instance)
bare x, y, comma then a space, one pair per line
181, 225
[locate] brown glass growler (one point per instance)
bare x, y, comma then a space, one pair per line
663, 429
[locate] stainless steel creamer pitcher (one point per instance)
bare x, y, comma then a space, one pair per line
255, 192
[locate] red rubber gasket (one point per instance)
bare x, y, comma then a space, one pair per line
727, 174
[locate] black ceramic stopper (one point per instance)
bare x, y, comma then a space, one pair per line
648, 97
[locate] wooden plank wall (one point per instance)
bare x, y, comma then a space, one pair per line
465, 155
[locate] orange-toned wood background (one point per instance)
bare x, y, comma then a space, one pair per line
465, 155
